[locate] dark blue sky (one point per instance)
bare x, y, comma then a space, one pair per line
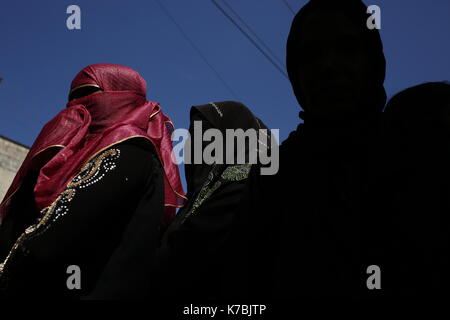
40, 56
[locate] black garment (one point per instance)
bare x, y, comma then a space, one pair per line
196, 249
307, 230
106, 222
324, 236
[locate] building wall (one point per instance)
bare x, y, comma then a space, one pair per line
12, 155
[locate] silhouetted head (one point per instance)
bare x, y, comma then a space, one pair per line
335, 62
420, 116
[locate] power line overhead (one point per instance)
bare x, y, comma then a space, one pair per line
196, 48
289, 6
274, 56
265, 54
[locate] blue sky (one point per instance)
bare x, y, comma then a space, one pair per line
40, 56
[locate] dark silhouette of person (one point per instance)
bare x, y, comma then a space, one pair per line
416, 189
191, 261
84, 214
307, 224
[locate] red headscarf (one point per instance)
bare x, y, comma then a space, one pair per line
93, 123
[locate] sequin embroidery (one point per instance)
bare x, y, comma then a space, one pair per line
230, 174
91, 173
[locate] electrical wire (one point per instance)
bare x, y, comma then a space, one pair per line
250, 39
196, 48
289, 6
255, 35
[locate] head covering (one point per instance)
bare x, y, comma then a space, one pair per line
356, 11
222, 116
195, 242
204, 180
93, 123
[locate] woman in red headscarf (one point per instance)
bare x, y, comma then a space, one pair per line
85, 211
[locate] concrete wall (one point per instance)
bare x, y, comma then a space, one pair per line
11, 157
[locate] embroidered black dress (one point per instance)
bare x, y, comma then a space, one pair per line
106, 223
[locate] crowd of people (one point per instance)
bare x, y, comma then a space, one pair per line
362, 182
